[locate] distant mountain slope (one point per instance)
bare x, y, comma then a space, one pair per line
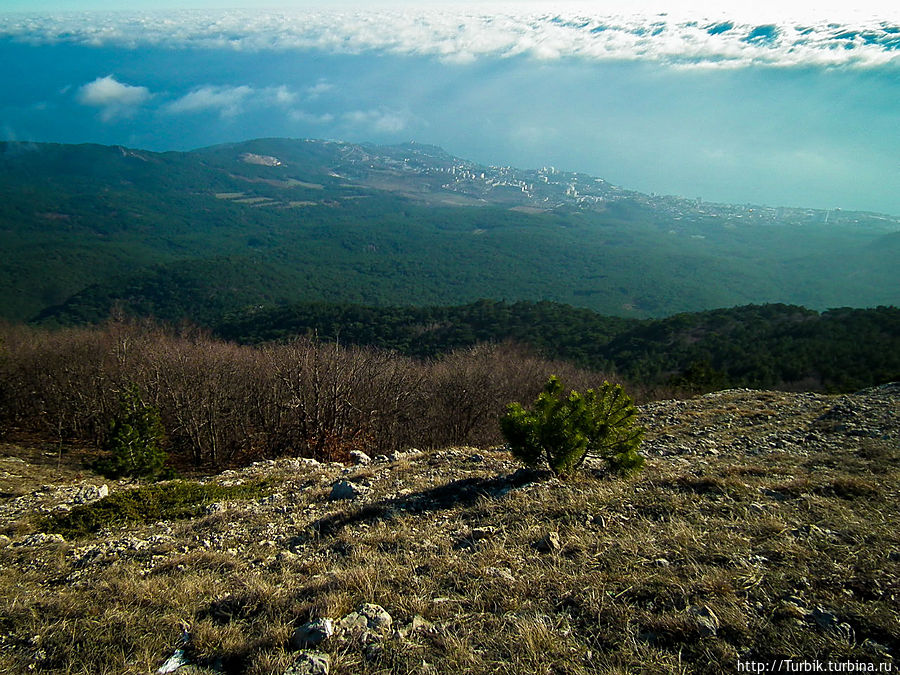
87, 227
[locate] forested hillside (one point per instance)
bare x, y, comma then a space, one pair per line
194, 235
755, 346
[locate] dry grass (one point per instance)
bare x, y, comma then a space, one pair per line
757, 541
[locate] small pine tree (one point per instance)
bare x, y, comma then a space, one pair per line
564, 431
134, 441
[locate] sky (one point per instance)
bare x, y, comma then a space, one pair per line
777, 103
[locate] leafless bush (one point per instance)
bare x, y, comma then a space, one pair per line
63, 383
335, 399
203, 390
223, 404
468, 389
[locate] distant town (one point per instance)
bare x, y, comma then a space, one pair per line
549, 188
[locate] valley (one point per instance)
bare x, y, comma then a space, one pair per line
196, 235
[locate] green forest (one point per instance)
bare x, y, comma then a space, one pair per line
760, 346
196, 235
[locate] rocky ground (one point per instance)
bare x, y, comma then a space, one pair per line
763, 527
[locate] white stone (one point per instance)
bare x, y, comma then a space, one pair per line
174, 662
359, 457
310, 663
368, 621
312, 634
343, 489
90, 493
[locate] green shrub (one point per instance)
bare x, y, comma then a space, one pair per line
564, 431
149, 504
135, 440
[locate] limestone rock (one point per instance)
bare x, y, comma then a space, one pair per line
408, 454
312, 634
40, 539
358, 457
369, 622
549, 543
90, 493
482, 533
832, 624
310, 663
343, 489
706, 620
416, 625
500, 573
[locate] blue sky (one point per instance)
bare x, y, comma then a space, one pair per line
731, 103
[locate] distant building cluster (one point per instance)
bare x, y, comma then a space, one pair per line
549, 188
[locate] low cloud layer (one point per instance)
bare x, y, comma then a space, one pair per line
704, 40
114, 98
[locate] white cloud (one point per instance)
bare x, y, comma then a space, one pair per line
703, 35
318, 89
281, 95
107, 90
381, 121
229, 101
114, 98
310, 118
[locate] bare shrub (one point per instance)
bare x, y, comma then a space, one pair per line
60, 382
463, 392
468, 389
335, 399
203, 394
224, 404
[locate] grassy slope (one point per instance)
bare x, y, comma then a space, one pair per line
772, 512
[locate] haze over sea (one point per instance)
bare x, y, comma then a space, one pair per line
778, 104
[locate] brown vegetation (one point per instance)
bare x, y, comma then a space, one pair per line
224, 405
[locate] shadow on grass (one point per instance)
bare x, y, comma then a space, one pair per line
457, 493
